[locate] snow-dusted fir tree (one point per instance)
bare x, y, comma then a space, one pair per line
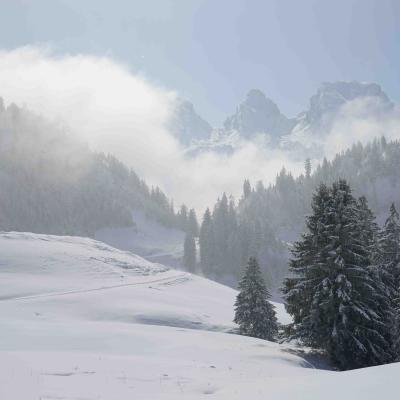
307, 168
254, 314
337, 303
189, 253
305, 269
206, 243
390, 243
369, 230
389, 251
193, 226
382, 276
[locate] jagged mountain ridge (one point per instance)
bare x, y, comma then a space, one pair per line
258, 116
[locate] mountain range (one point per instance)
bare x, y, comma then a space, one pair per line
257, 117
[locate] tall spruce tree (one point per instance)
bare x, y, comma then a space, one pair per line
254, 314
390, 243
189, 253
192, 224
206, 242
389, 251
336, 301
304, 266
221, 227
246, 189
307, 168
381, 275
182, 216
369, 229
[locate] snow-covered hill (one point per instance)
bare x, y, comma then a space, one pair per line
82, 320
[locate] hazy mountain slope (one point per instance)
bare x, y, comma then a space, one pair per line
81, 320
187, 125
331, 96
52, 183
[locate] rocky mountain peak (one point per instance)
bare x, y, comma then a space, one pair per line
257, 114
187, 125
332, 95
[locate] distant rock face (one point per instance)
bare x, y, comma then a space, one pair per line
258, 115
332, 102
331, 96
187, 125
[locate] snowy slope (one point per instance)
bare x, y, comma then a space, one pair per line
82, 320
147, 238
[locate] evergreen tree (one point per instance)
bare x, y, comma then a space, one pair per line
381, 275
193, 226
189, 253
369, 229
183, 217
254, 314
221, 228
307, 168
234, 255
206, 242
336, 301
389, 251
246, 189
298, 289
390, 240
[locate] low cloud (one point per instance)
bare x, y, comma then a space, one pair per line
118, 111
361, 120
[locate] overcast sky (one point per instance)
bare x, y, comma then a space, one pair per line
213, 51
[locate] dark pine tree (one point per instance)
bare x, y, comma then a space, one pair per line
298, 289
390, 243
222, 229
183, 217
336, 301
192, 224
369, 230
307, 168
254, 314
246, 189
189, 253
206, 243
389, 252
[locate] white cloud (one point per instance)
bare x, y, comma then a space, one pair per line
120, 112
361, 120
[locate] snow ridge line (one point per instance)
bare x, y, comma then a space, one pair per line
178, 278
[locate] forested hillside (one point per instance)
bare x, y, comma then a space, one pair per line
266, 220
52, 183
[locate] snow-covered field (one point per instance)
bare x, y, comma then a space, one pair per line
82, 320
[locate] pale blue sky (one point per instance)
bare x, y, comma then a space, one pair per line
213, 51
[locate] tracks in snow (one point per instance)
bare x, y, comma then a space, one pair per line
167, 281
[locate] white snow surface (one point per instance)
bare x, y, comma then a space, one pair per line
82, 320
147, 238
